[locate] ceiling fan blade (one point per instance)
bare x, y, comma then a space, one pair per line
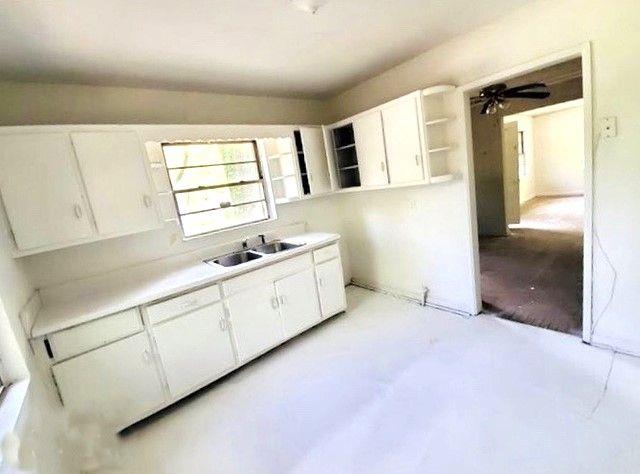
528, 95
524, 87
485, 107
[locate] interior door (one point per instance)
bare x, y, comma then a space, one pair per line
331, 287
41, 190
298, 299
209, 351
510, 172
401, 122
315, 154
255, 320
118, 381
115, 175
372, 159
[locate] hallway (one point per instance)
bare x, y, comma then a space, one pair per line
534, 275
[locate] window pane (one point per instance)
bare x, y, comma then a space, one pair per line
212, 198
193, 178
286, 188
198, 154
194, 224
283, 165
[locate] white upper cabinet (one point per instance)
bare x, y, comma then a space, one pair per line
372, 158
402, 121
315, 156
41, 190
118, 185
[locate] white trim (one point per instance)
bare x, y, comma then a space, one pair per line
582, 51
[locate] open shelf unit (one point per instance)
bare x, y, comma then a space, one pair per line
302, 164
282, 158
346, 157
438, 117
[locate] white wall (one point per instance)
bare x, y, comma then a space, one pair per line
533, 31
559, 152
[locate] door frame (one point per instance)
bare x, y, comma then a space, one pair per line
582, 51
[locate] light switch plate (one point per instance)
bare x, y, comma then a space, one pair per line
608, 127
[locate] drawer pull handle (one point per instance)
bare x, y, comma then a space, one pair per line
282, 300
417, 160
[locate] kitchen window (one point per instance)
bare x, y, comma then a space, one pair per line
216, 186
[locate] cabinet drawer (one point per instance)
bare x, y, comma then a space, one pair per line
85, 337
326, 253
269, 273
181, 304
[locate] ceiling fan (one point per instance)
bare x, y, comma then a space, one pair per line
496, 96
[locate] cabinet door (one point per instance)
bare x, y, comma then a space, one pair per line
370, 148
115, 175
194, 348
41, 190
401, 122
315, 155
255, 320
118, 382
331, 287
298, 300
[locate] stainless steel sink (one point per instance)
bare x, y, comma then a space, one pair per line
234, 259
275, 247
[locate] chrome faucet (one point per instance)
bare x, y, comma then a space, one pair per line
245, 244
262, 238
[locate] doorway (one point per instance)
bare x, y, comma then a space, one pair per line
529, 162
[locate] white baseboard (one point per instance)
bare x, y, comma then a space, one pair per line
410, 297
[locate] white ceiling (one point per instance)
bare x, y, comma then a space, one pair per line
231, 46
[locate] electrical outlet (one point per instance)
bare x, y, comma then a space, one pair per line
608, 127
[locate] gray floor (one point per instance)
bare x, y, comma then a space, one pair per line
534, 275
393, 387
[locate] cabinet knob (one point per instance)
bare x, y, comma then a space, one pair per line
382, 166
274, 302
417, 160
146, 199
146, 357
223, 324
77, 211
282, 300
320, 282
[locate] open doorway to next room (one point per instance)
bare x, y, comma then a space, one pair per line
529, 171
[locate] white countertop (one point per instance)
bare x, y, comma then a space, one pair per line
91, 298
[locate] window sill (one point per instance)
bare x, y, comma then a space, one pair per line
222, 231
11, 401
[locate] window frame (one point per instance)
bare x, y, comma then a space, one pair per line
263, 179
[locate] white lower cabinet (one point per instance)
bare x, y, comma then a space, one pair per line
191, 339
117, 382
194, 348
331, 287
298, 301
255, 320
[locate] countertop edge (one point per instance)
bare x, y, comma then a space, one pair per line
40, 327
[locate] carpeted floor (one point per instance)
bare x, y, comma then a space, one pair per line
534, 275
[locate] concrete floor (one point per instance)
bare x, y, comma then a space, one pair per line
534, 275
392, 387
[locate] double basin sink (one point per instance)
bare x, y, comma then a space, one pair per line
244, 256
